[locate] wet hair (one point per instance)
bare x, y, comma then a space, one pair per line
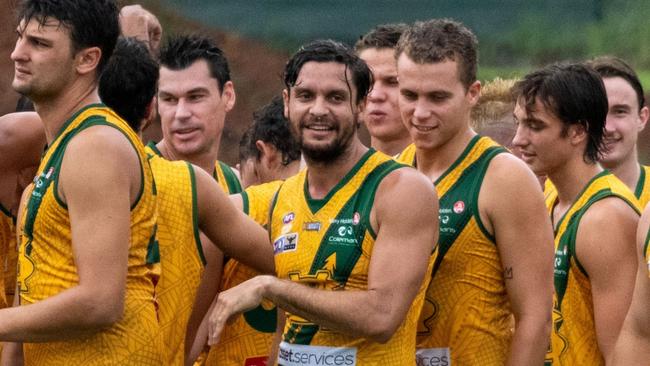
330, 51
575, 94
382, 36
270, 125
181, 51
128, 84
611, 67
90, 23
440, 40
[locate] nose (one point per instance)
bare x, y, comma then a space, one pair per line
421, 111
521, 137
319, 107
183, 110
376, 94
610, 125
19, 54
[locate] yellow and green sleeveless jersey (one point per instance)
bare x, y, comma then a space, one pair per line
8, 258
573, 335
327, 244
466, 315
247, 341
642, 189
181, 255
47, 265
224, 174
646, 250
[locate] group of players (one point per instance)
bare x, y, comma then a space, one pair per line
136, 255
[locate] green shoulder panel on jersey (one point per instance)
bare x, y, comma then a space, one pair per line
640, 183
234, 186
245, 202
317, 204
152, 145
466, 189
359, 204
195, 215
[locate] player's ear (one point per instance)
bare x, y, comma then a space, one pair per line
474, 92
285, 100
228, 95
643, 117
268, 154
87, 60
577, 133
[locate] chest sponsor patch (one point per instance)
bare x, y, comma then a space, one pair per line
302, 355
285, 243
432, 357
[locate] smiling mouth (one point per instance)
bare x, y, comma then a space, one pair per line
423, 128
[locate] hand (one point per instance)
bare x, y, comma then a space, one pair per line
234, 301
137, 22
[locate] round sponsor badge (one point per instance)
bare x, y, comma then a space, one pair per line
459, 207
288, 218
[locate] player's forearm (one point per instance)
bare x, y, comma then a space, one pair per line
366, 314
71, 314
12, 354
530, 340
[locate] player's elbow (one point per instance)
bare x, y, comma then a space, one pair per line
102, 312
382, 328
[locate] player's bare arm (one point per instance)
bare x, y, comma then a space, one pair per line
92, 185
605, 246
237, 235
405, 216
633, 344
514, 205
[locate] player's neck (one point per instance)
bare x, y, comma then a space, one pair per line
435, 162
204, 160
391, 147
56, 111
571, 179
322, 177
628, 171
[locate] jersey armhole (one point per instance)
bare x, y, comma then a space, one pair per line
90, 122
195, 215
489, 154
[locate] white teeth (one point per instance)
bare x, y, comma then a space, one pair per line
423, 128
319, 128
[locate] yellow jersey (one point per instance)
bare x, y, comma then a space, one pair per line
327, 244
8, 258
181, 254
573, 335
642, 189
47, 262
466, 315
248, 339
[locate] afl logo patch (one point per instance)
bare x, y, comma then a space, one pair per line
288, 218
356, 218
459, 207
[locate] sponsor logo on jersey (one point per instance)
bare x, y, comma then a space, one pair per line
356, 218
288, 218
311, 226
459, 207
285, 243
302, 355
432, 357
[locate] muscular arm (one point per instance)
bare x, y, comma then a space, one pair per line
405, 215
229, 228
99, 216
633, 345
524, 236
605, 246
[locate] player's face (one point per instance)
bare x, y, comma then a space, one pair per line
624, 122
435, 105
192, 109
539, 139
322, 110
381, 115
44, 63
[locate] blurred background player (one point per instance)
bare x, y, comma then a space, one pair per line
492, 114
268, 151
381, 113
627, 116
189, 200
561, 111
495, 253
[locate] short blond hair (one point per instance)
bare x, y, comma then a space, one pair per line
496, 101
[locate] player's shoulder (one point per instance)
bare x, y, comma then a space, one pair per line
506, 172
405, 183
607, 212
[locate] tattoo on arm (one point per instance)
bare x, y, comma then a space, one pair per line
507, 273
